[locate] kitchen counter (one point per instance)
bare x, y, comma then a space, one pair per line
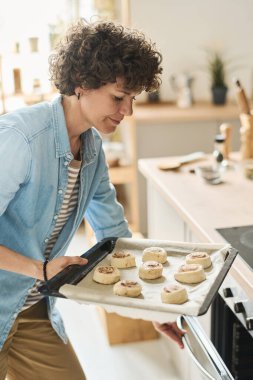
177, 131
204, 207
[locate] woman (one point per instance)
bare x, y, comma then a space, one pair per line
53, 174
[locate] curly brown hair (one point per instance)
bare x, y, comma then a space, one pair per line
93, 54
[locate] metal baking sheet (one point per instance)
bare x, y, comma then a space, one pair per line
80, 286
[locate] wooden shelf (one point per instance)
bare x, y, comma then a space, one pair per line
169, 112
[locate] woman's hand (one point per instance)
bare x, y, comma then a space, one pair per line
171, 330
58, 264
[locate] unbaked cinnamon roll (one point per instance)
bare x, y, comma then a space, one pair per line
123, 259
190, 274
201, 258
127, 288
154, 254
150, 270
106, 275
174, 294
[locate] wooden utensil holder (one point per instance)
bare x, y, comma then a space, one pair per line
226, 131
246, 131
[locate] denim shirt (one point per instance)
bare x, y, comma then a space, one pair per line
34, 158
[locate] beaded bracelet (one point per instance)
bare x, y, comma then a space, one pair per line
45, 270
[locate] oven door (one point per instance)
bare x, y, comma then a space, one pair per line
202, 351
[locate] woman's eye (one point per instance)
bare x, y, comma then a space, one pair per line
117, 99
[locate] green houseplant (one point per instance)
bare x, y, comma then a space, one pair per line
217, 72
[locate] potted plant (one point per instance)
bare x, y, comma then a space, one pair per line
217, 71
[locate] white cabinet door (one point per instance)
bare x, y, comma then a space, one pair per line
190, 236
163, 221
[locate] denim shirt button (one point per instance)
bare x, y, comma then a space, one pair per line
56, 216
60, 191
66, 163
46, 240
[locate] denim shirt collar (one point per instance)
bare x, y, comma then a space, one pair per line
61, 135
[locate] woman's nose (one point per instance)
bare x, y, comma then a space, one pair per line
126, 108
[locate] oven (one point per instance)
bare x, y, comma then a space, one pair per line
232, 311
232, 335
228, 354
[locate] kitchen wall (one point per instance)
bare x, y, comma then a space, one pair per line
182, 30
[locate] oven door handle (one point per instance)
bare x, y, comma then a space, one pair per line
193, 357
206, 345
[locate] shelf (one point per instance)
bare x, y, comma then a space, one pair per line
169, 112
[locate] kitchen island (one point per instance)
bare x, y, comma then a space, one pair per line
162, 129
182, 207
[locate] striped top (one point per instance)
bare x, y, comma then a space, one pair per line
68, 205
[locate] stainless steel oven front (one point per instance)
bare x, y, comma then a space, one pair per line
232, 310
232, 329
228, 354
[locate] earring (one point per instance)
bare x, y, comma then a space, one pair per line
78, 95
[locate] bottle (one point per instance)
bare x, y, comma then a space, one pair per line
218, 152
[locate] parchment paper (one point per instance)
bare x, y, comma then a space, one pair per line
148, 305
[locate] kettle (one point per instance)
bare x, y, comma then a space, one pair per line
182, 85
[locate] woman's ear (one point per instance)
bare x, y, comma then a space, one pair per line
78, 90
81, 91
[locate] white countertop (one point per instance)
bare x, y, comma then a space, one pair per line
205, 207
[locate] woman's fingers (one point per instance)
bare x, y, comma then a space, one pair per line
56, 265
76, 260
171, 330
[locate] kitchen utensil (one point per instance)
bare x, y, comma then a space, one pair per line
242, 99
169, 164
246, 133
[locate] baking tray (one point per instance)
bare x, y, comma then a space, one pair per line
75, 282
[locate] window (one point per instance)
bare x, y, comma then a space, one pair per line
33, 44
32, 34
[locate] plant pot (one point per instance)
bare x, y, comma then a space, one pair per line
219, 95
154, 97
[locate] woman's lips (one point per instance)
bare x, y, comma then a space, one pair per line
115, 121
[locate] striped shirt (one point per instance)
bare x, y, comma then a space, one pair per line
68, 205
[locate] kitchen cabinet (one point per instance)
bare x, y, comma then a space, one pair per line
181, 206
164, 222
